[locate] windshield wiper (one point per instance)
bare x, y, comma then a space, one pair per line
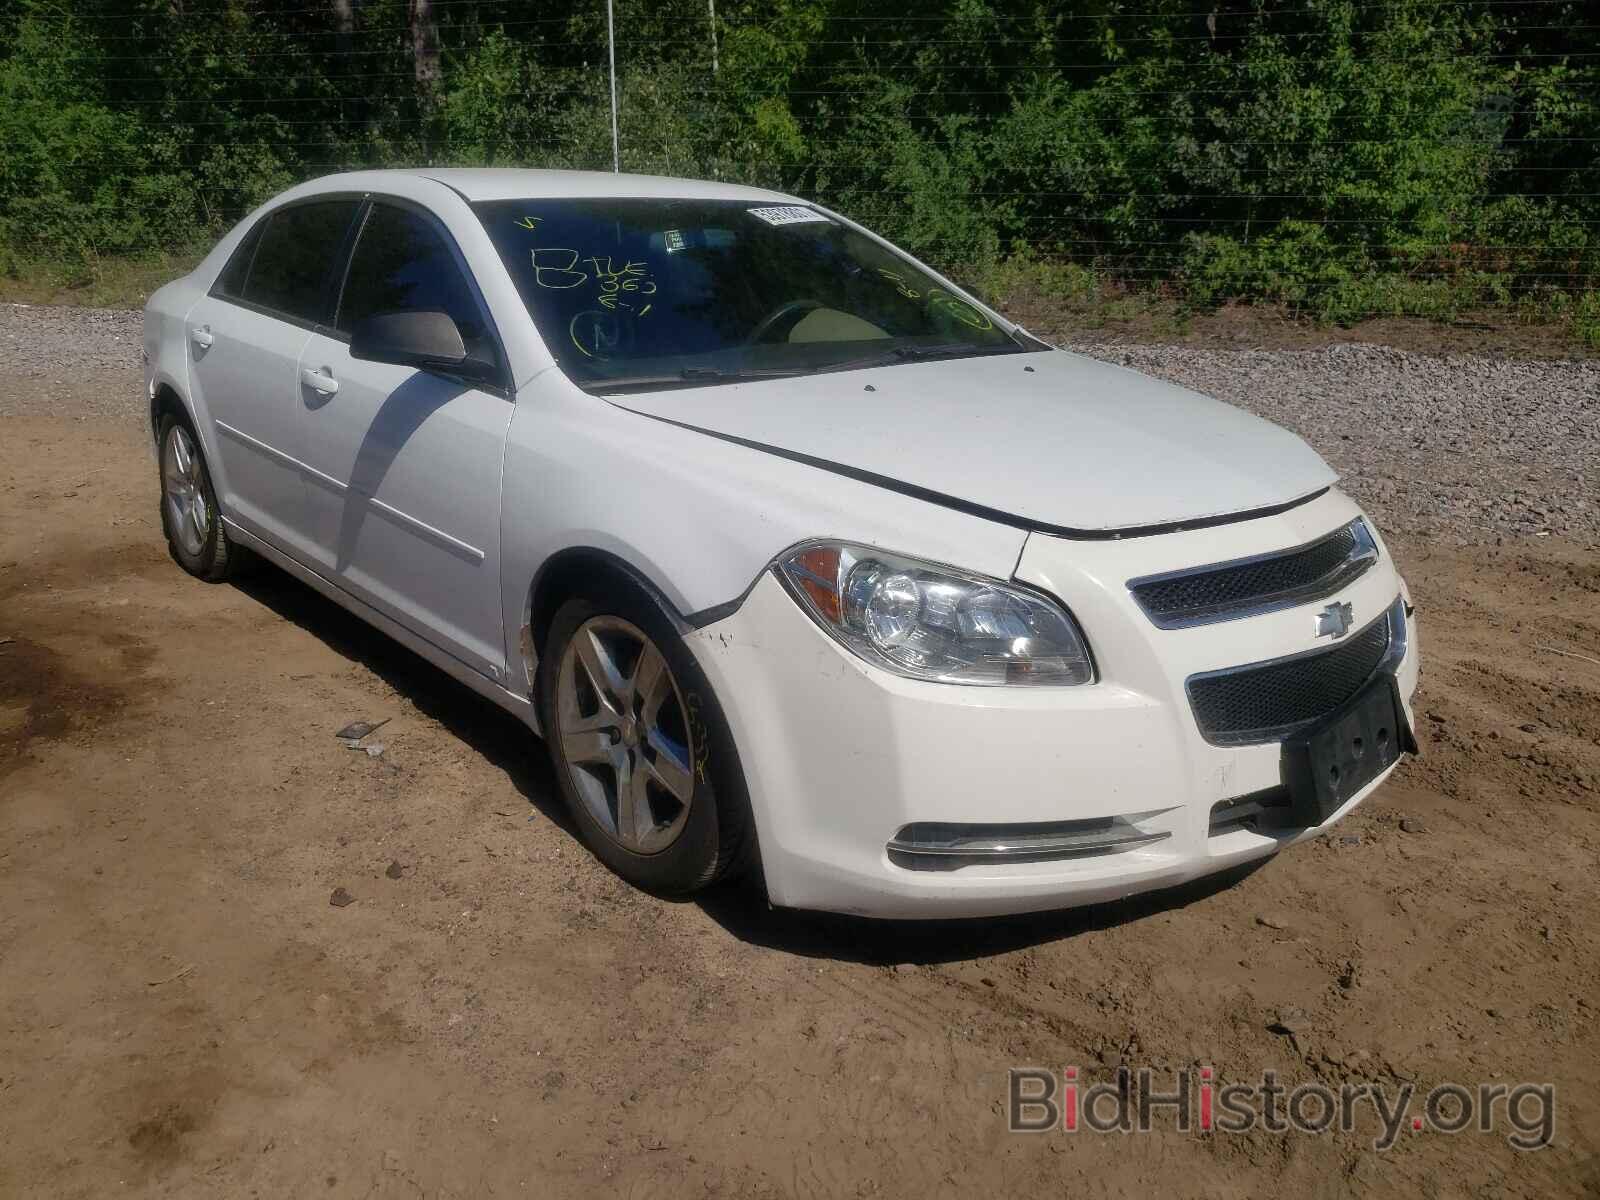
899, 354
689, 377
717, 373
917, 353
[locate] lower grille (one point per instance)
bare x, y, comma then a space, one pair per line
1264, 810
1264, 702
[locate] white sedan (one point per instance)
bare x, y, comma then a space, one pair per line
804, 562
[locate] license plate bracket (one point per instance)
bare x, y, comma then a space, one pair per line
1324, 766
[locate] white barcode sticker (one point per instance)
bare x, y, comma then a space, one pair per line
788, 214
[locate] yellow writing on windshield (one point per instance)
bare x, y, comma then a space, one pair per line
619, 284
901, 284
553, 268
599, 334
941, 301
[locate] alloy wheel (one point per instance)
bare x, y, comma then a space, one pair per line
188, 513
624, 733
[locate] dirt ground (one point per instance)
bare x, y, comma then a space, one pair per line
184, 1013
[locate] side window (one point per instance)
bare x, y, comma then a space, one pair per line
402, 263
231, 282
295, 253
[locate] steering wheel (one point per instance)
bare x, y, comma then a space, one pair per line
789, 311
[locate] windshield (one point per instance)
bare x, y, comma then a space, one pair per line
638, 294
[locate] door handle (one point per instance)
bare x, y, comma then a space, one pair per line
201, 337
320, 382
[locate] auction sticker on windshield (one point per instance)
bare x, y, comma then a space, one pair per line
788, 214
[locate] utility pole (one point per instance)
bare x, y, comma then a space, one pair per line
611, 39
711, 7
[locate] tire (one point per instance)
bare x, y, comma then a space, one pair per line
696, 827
190, 516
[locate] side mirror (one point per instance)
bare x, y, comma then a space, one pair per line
425, 338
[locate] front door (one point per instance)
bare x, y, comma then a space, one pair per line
403, 490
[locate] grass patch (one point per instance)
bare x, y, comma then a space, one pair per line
1055, 298
1585, 319
93, 281
1047, 296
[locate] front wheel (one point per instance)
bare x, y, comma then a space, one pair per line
642, 752
189, 514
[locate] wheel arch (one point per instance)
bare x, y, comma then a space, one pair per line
165, 398
592, 570
574, 570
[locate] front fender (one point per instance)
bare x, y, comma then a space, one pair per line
696, 517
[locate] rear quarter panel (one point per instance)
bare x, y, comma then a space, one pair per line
166, 344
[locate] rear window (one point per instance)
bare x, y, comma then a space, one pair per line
294, 256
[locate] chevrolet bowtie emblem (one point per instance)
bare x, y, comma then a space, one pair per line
1335, 620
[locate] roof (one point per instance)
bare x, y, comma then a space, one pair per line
514, 183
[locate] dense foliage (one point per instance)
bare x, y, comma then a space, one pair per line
1340, 155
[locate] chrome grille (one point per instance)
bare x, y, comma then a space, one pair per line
1263, 583
1264, 702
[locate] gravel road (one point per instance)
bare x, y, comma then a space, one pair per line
36, 340
1459, 447
1464, 447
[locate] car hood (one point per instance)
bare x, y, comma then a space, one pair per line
1052, 440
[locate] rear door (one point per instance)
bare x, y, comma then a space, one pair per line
245, 340
403, 494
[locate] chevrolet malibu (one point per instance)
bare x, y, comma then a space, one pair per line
803, 561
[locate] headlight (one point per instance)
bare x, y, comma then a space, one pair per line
931, 622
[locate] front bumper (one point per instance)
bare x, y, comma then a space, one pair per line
841, 756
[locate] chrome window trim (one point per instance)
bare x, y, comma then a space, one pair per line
1352, 568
